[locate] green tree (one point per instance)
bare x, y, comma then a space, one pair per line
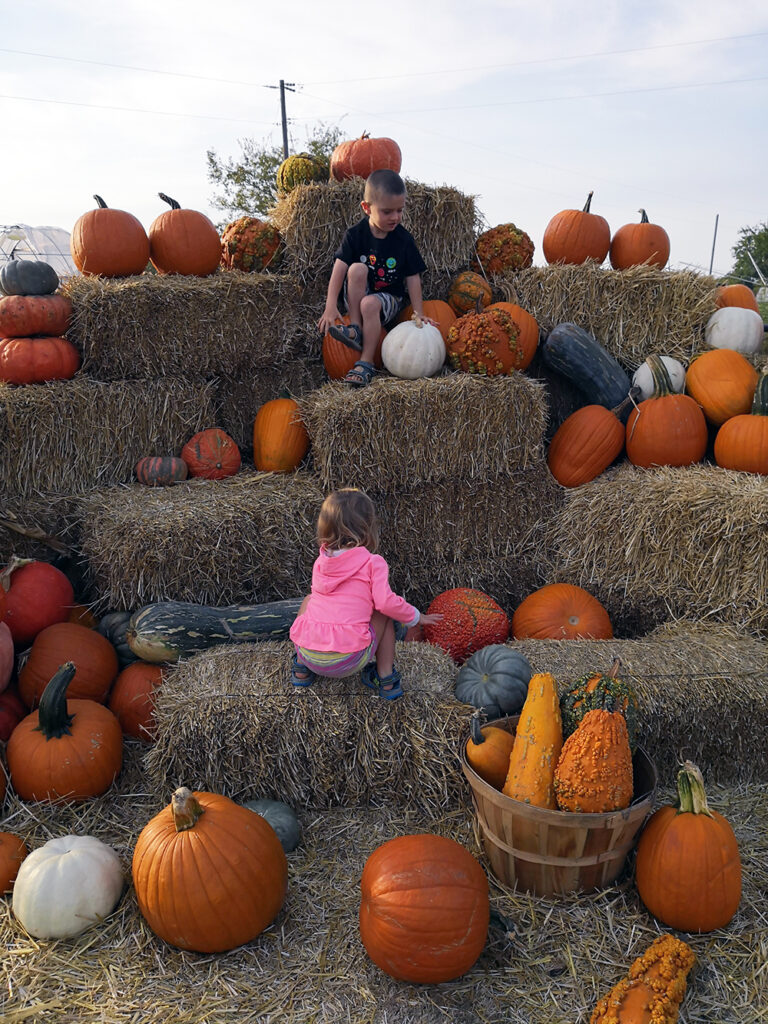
755, 241
246, 186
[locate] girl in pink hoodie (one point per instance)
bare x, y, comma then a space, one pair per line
347, 623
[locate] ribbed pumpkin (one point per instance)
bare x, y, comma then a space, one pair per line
601, 691
110, 243
488, 750
209, 875
35, 360
183, 242
561, 611
538, 742
594, 772
280, 439
636, 244
669, 430
251, 245
37, 595
723, 382
466, 290
688, 868
585, 444
471, 620
737, 295
67, 749
360, 157
495, 678
27, 277
653, 989
22, 316
436, 310
132, 699
161, 470
742, 442
486, 343
13, 850
575, 236
528, 338
211, 454
735, 327
300, 169
93, 655
339, 358
503, 248
424, 908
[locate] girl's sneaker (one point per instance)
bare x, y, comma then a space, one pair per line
387, 687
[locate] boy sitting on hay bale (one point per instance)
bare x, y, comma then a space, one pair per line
376, 263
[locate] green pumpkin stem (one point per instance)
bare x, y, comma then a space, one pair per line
643, 216
53, 720
632, 395
100, 203
692, 798
171, 202
475, 730
185, 809
588, 202
662, 384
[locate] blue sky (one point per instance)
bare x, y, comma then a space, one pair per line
661, 105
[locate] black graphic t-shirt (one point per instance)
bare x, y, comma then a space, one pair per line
390, 260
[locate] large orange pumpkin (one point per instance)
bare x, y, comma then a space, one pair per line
436, 310
183, 241
339, 358
486, 342
280, 439
132, 699
36, 360
209, 874
360, 157
575, 236
108, 242
424, 908
561, 611
723, 382
668, 429
94, 657
636, 244
737, 295
528, 338
22, 316
211, 454
471, 620
742, 441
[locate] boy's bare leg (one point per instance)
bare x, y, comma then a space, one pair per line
370, 308
357, 283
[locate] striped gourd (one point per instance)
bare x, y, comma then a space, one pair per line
161, 470
466, 290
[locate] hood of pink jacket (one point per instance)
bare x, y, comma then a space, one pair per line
333, 570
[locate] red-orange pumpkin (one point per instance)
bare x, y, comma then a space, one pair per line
575, 236
82, 615
360, 157
35, 360
161, 470
37, 595
723, 382
183, 241
471, 620
12, 710
132, 699
424, 908
561, 611
94, 657
643, 243
338, 358
737, 295
21, 316
280, 439
112, 243
436, 310
668, 429
13, 850
742, 441
528, 338
211, 454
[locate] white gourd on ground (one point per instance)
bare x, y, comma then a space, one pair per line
66, 885
413, 349
643, 378
735, 327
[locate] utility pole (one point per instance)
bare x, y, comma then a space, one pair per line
714, 239
292, 87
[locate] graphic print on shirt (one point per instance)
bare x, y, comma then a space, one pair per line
383, 276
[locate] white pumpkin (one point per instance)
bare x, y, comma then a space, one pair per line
735, 327
413, 349
643, 378
67, 885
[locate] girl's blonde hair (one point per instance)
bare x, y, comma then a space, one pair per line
348, 520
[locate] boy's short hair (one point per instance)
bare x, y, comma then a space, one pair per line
383, 183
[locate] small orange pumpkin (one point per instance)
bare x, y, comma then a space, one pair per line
183, 242
161, 470
111, 243
575, 236
668, 429
211, 454
737, 295
639, 244
132, 699
280, 439
488, 751
561, 611
467, 289
742, 441
723, 382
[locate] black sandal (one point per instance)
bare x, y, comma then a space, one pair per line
360, 375
301, 680
351, 335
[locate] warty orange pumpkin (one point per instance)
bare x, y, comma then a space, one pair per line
653, 989
594, 771
485, 342
471, 620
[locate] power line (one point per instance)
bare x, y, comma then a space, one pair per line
135, 110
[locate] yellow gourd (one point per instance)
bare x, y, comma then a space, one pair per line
538, 743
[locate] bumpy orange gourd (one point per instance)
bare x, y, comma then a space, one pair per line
503, 248
485, 342
466, 290
667, 430
723, 382
653, 989
251, 245
488, 752
539, 740
594, 773
561, 611
742, 441
528, 338
280, 439
575, 236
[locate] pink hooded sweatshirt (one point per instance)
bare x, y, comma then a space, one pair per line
346, 588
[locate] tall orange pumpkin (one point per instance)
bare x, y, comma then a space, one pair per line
561, 611
742, 441
94, 657
360, 157
280, 439
424, 908
737, 295
668, 429
723, 382
575, 236
211, 454
209, 874
643, 243
109, 242
183, 241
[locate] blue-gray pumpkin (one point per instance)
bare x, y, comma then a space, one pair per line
496, 679
282, 819
28, 277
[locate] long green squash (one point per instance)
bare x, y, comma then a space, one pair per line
577, 355
172, 629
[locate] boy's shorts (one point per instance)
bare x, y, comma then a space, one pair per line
334, 665
390, 304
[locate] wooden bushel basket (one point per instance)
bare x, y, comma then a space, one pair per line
547, 852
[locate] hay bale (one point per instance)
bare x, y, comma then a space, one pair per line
40, 526
313, 218
399, 433
654, 544
70, 436
702, 691
631, 312
229, 720
192, 327
246, 539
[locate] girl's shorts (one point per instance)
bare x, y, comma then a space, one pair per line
330, 663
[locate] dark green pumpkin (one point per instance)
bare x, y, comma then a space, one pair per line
28, 277
601, 692
496, 679
300, 169
282, 819
578, 356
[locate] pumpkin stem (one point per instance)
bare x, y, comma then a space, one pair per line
185, 809
588, 202
475, 730
643, 216
14, 564
662, 384
53, 720
632, 395
613, 671
171, 202
100, 203
692, 798
416, 319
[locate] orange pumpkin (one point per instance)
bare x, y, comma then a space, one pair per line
360, 157
37, 595
742, 441
13, 850
488, 751
528, 338
35, 360
251, 245
723, 382
467, 289
424, 908
436, 310
636, 244
211, 454
280, 439
561, 611
183, 242
132, 699
82, 615
470, 620
94, 657
161, 470
585, 444
575, 236
339, 358
111, 243
22, 316
737, 295
209, 874
486, 342
668, 429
